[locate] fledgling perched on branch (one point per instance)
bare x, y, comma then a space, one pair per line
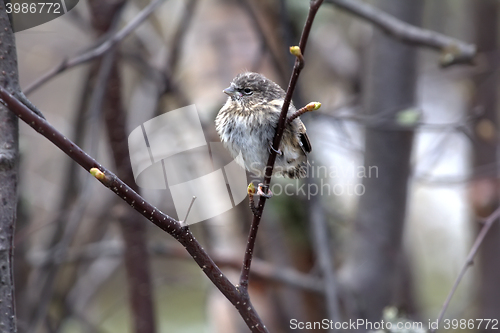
247, 124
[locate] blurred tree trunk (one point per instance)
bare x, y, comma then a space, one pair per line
373, 260
484, 187
133, 227
9, 157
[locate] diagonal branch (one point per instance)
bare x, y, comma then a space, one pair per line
468, 262
98, 51
182, 234
453, 51
299, 64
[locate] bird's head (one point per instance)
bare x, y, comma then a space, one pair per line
249, 89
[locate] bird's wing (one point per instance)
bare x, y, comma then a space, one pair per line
305, 144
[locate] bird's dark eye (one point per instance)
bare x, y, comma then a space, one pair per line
247, 91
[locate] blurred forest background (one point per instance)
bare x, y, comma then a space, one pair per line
430, 132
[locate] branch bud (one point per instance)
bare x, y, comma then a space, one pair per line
97, 173
313, 106
251, 189
295, 50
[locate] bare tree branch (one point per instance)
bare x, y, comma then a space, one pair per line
265, 40
107, 102
260, 268
299, 64
69, 209
182, 234
97, 51
46, 277
180, 33
453, 51
469, 261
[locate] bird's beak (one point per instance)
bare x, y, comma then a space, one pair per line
230, 91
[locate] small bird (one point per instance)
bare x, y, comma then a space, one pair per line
247, 124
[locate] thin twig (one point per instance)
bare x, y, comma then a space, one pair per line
251, 204
45, 286
170, 68
468, 262
299, 63
453, 51
182, 234
72, 200
265, 40
309, 107
260, 268
107, 101
97, 51
180, 33
72, 222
